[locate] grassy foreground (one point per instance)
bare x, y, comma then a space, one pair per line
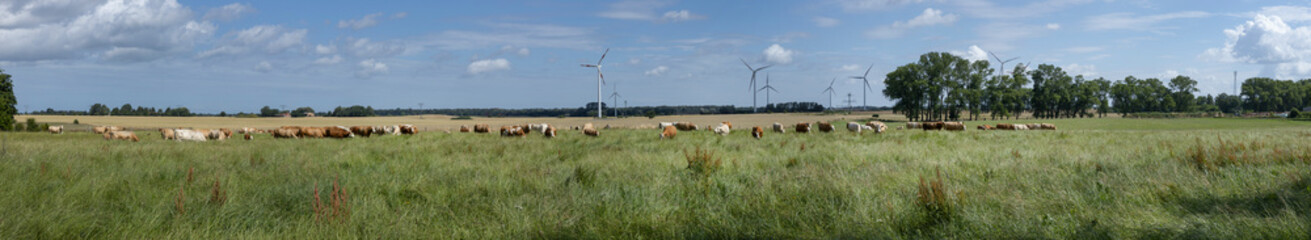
1094, 179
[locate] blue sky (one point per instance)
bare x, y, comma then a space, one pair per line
236, 56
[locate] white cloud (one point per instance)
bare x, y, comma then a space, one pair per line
1127, 21
229, 12
929, 17
1001, 36
825, 22
324, 50
973, 54
138, 30
524, 52
357, 24
634, 61
681, 15
1288, 13
488, 65
1267, 40
863, 5
657, 71
400, 15
329, 60
850, 67
264, 67
988, 10
1053, 26
370, 67
778, 54
1168, 74
267, 39
1075, 69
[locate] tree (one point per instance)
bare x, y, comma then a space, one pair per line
936, 87
266, 111
301, 112
98, 109
1228, 103
1183, 88
8, 101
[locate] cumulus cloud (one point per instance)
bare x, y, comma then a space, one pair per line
488, 65
357, 24
1288, 13
1269, 41
229, 12
137, 30
680, 15
370, 67
657, 71
973, 54
1128, 21
778, 54
863, 5
825, 21
268, 39
850, 67
930, 17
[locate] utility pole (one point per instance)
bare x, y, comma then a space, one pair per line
850, 102
420, 110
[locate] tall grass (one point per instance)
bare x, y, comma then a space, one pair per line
1077, 183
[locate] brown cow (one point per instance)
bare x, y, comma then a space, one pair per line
167, 133
286, 133
685, 126
227, 133
337, 132
465, 129
803, 127
669, 132
984, 127
99, 129
121, 135
1005, 126
362, 130
549, 132
825, 127
953, 126
590, 130
1047, 126
927, 126
757, 132
312, 132
408, 129
482, 128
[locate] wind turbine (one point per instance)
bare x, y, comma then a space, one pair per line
830, 92
767, 87
614, 99
600, 79
752, 88
863, 93
1003, 63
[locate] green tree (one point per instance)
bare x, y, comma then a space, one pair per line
8, 101
266, 111
98, 109
301, 112
1183, 88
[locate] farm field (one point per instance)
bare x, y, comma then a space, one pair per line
1092, 179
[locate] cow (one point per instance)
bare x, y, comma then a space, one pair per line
854, 127
248, 137
685, 126
778, 127
167, 134
408, 129
98, 129
362, 130
481, 128
757, 132
729, 124
55, 129
669, 132
722, 129
913, 125
589, 130
549, 132
215, 134
877, 126
248, 130
984, 127
1005, 126
953, 126
312, 132
1034, 126
1021, 127
189, 135
512, 131
121, 135
537, 127
286, 133
337, 132
931, 126
465, 129
662, 125
825, 126
227, 133
803, 127
1047, 126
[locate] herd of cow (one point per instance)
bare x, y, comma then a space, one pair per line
667, 130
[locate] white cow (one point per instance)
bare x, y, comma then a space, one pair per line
663, 124
854, 127
722, 129
56, 129
190, 135
778, 128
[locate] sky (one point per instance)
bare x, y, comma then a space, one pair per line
237, 56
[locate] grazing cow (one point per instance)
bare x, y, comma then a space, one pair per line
1021, 127
913, 125
215, 134
685, 126
248, 137
669, 132
408, 129
167, 133
55, 129
99, 129
854, 127
1034, 126
825, 126
465, 129
662, 125
953, 126
803, 127
928, 126
877, 126
312, 132
722, 129
1047, 126
537, 127
512, 131
286, 133
757, 132
337, 132
778, 127
121, 135
729, 124
589, 130
1005, 126
985, 127
362, 130
227, 133
549, 132
248, 130
481, 128
189, 135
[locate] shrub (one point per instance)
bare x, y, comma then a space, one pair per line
702, 162
75, 122
19, 127
462, 118
875, 115
32, 126
650, 114
1294, 113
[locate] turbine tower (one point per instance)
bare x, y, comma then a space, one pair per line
752, 88
614, 99
767, 88
863, 93
830, 92
1002, 65
600, 79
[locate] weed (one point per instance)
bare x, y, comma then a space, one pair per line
702, 162
933, 199
216, 195
180, 202
338, 205
189, 175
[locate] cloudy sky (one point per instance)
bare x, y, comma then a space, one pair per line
219, 55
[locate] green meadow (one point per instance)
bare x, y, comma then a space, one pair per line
1091, 179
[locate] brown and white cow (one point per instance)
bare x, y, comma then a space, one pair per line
248, 137
803, 127
1034, 126
408, 129
549, 132
669, 132
914, 125
590, 130
757, 132
953, 126
877, 126
825, 126
778, 127
227, 133
729, 124
1047, 126
465, 129
482, 128
337, 132
364, 131
121, 135
722, 129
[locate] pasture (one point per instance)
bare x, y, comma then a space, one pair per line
1092, 179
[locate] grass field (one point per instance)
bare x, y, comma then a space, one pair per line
1093, 179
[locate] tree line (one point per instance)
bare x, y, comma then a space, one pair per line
941, 86
590, 110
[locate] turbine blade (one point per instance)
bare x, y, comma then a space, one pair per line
871, 67
744, 62
607, 51
1012, 59
830, 84
994, 56
857, 77
587, 65
867, 86
602, 76
763, 68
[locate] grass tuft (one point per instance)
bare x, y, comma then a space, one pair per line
934, 201
703, 163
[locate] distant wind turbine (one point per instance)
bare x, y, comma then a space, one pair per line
600, 79
830, 92
752, 88
767, 88
1003, 63
614, 99
865, 78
